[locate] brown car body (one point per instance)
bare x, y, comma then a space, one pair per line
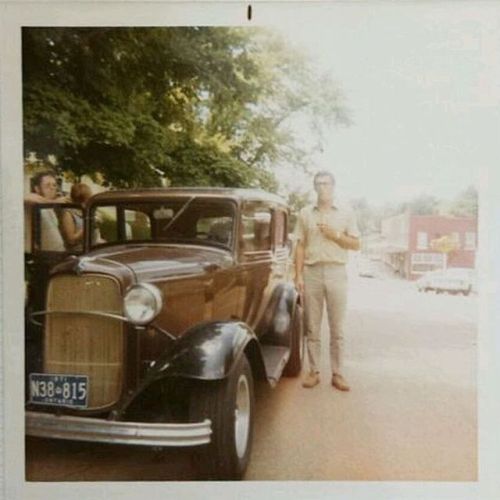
225, 303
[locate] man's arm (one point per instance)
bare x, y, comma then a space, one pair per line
36, 198
343, 240
299, 266
348, 242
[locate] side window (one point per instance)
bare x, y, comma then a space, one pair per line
54, 228
280, 229
256, 227
422, 243
137, 225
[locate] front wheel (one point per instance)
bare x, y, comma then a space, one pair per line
229, 404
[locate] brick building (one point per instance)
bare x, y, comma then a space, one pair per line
411, 243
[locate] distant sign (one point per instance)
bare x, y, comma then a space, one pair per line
445, 244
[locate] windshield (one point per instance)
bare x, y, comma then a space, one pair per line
192, 220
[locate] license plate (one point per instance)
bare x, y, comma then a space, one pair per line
59, 390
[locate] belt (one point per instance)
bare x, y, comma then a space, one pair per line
337, 264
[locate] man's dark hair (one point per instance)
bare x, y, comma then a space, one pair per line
324, 173
36, 180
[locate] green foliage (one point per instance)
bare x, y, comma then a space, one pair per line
370, 217
466, 203
366, 218
204, 106
421, 205
296, 201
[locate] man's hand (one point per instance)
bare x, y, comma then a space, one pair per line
299, 284
62, 199
329, 232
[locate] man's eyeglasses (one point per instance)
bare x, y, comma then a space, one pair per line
325, 183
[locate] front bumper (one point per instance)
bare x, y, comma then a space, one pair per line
48, 425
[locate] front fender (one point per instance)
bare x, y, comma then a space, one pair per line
277, 320
207, 352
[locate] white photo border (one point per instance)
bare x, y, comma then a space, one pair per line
15, 15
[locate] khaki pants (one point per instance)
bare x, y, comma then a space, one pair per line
325, 283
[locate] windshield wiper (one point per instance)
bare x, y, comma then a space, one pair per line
178, 214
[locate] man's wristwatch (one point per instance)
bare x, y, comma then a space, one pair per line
337, 235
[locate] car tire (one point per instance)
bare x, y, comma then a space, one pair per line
229, 404
295, 361
467, 292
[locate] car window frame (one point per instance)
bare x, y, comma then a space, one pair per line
245, 255
274, 212
36, 233
120, 219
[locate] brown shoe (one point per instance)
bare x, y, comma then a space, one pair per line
311, 380
339, 383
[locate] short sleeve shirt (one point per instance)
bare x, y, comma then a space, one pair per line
51, 240
319, 248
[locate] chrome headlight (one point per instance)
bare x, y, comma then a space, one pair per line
142, 303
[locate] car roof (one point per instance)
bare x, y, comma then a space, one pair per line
459, 270
237, 194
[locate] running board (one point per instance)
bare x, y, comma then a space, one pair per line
275, 358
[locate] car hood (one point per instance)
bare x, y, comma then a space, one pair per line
139, 263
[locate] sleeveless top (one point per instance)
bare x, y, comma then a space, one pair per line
78, 221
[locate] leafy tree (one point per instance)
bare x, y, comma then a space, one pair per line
365, 215
421, 205
297, 200
466, 203
209, 106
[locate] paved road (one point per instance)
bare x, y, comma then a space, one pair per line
411, 413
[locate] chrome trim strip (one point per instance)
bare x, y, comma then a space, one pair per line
47, 425
91, 313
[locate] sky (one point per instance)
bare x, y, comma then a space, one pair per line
422, 84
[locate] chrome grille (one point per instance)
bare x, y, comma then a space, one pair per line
84, 344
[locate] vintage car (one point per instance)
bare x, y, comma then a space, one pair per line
155, 334
453, 280
366, 268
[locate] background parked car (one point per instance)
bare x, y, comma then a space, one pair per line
367, 268
453, 280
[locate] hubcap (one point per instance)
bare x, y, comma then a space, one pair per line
242, 416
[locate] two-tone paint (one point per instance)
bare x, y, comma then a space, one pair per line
218, 303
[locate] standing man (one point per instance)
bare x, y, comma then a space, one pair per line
324, 233
45, 191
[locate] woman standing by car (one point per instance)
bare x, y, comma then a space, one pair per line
72, 218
